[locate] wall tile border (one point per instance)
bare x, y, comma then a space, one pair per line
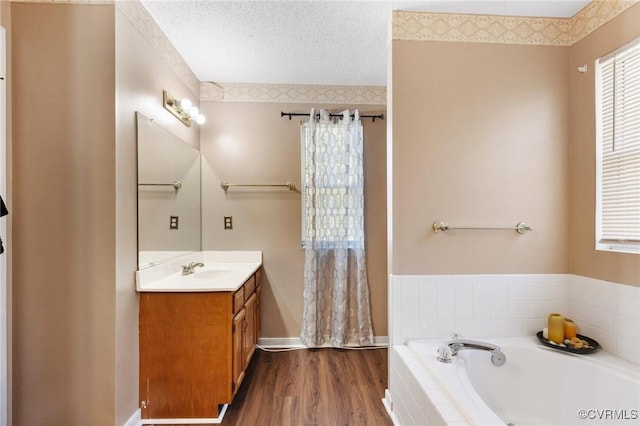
293, 93
596, 14
405, 26
424, 26
435, 27
147, 26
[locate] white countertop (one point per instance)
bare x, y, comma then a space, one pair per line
222, 271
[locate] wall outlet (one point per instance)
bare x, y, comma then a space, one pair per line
228, 222
173, 222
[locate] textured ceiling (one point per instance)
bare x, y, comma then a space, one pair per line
306, 42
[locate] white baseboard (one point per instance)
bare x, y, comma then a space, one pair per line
135, 419
207, 421
295, 343
388, 405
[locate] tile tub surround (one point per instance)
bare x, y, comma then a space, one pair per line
433, 306
608, 312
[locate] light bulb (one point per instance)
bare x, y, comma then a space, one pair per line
200, 119
185, 104
193, 112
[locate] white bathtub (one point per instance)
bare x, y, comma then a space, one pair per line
536, 386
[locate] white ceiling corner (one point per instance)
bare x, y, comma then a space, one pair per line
313, 42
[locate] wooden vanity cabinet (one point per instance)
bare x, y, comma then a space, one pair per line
238, 361
195, 348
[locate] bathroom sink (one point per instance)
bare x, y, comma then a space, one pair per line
212, 274
212, 271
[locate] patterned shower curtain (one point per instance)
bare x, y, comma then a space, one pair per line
336, 292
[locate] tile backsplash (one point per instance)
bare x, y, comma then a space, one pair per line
433, 306
608, 312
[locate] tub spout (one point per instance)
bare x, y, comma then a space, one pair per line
449, 350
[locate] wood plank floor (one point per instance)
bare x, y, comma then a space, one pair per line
312, 387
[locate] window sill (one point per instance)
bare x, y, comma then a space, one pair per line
618, 248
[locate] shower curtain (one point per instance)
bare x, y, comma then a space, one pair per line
336, 292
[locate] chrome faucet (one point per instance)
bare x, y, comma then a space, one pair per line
451, 349
188, 269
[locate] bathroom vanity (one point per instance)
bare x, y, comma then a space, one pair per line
198, 334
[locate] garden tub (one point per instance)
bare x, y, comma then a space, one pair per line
536, 386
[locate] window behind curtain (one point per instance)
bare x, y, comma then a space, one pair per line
334, 199
305, 135
618, 149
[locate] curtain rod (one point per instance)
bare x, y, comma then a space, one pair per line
300, 114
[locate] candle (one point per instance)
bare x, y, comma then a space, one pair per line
570, 328
556, 328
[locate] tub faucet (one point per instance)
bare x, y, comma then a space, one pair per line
449, 350
188, 269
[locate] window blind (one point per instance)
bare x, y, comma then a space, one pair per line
618, 159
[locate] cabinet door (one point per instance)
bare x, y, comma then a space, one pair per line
185, 354
238, 350
249, 329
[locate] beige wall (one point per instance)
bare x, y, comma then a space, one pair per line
63, 214
141, 76
83, 71
584, 259
251, 143
480, 138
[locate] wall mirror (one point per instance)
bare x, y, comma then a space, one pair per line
168, 194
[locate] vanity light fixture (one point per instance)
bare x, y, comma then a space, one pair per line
183, 110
